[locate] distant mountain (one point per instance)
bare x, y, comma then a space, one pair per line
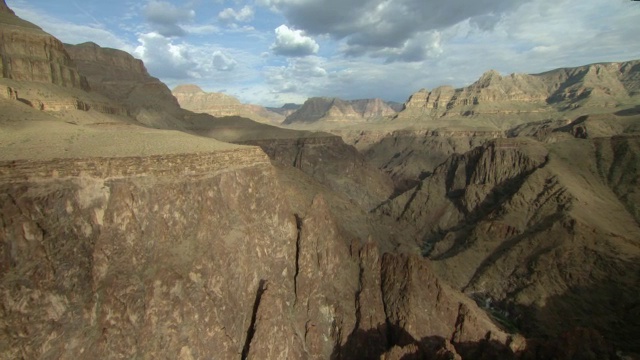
193, 98
286, 109
337, 110
597, 86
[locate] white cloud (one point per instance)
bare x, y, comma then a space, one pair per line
291, 42
201, 29
392, 27
243, 15
223, 62
166, 19
163, 58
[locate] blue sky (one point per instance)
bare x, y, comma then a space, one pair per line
271, 52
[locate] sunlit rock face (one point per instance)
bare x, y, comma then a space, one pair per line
30, 54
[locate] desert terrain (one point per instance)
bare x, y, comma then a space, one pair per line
494, 221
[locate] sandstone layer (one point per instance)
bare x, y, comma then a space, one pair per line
193, 98
120, 77
592, 88
29, 54
341, 111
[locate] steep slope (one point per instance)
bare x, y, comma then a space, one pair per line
121, 77
337, 110
193, 98
409, 156
124, 79
590, 88
286, 109
29, 54
534, 234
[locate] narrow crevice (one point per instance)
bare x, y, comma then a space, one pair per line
297, 262
358, 302
388, 328
297, 161
262, 287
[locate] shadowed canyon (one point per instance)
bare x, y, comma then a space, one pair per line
496, 221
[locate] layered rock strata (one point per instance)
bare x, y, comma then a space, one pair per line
200, 256
29, 54
193, 98
533, 236
337, 110
596, 87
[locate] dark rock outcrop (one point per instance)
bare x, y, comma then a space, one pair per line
534, 237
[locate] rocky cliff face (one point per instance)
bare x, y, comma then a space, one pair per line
333, 163
411, 155
337, 110
141, 273
529, 234
29, 54
597, 86
193, 98
120, 77
286, 109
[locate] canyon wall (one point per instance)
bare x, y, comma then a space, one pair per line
201, 256
594, 88
29, 54
337, 110
528, 232
193, 98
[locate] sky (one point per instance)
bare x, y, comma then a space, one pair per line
272, 52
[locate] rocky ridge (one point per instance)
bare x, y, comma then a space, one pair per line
337, 110
596, 87
513, 223
124, 79
286, 109
193, 98
115, 250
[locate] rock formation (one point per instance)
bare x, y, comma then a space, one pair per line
596, 87
534, 236
193, 98
120, 240
124, 79
286, 109
337, 110
30, 54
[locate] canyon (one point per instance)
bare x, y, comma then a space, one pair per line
497, 221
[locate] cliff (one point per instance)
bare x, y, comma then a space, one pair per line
193, 98
157, 249
286, 109
533, 234
27, 53
595, 88
124, 79
337, 110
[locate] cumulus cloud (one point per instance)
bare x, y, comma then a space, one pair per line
163, 58
243, 15
375, 26
222, 62
166, 19
294, 43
